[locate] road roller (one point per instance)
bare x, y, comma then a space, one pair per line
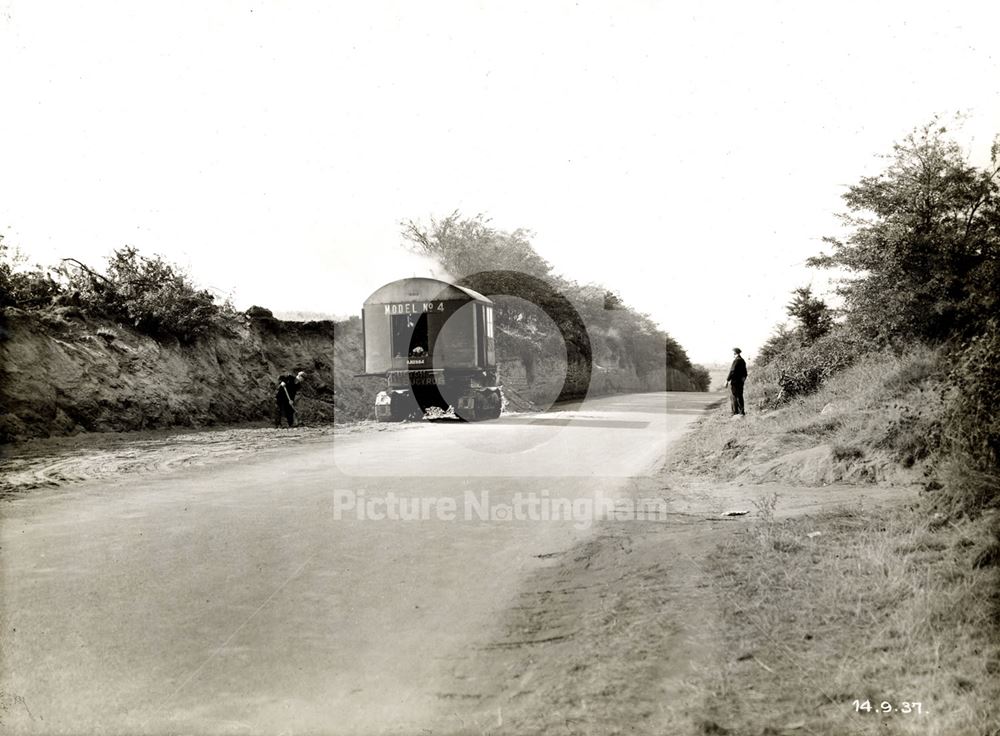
433, 343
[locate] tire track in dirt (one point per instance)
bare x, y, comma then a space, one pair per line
63, 461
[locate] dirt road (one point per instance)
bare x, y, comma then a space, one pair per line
259, 592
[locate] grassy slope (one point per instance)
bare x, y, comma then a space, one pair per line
875, 421
850, 604
877, 606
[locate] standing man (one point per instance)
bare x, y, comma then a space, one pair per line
735, 380
288, 386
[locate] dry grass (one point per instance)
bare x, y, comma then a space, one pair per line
877, 607
880, 606
880, 416
963, 487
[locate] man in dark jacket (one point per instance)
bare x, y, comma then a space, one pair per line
735, 380
288, 386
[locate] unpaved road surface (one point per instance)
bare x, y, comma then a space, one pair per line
246, 581
233, 597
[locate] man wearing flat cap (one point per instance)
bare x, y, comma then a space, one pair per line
735, 380
288, 386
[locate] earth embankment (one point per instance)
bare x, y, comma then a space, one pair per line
65, 372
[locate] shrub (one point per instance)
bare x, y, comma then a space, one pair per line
256, 312
35, 288
700, 378
150, 294
25, 289
783, 340
972, 423
964, 490
800, 370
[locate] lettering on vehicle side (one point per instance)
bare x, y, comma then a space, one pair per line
414, 307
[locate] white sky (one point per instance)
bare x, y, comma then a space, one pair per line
688, 155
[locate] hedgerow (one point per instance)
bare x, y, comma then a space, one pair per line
27, 289
150, 295
972, 419
801, 368
922, 263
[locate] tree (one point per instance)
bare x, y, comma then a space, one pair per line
464, 246
468, 246
781, 342
676, 356
924, 245
701, 379
813, 316
507, 263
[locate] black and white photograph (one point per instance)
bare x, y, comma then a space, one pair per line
466, 367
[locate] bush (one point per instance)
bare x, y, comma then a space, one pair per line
33, 289
256, 312
963, 490
782, 341
700, 378
799, 370
24, 289
972, 423
150, 294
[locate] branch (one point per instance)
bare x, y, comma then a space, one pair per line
89, 270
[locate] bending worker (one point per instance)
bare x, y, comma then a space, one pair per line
288, 386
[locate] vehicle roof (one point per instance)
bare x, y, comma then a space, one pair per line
423, 290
